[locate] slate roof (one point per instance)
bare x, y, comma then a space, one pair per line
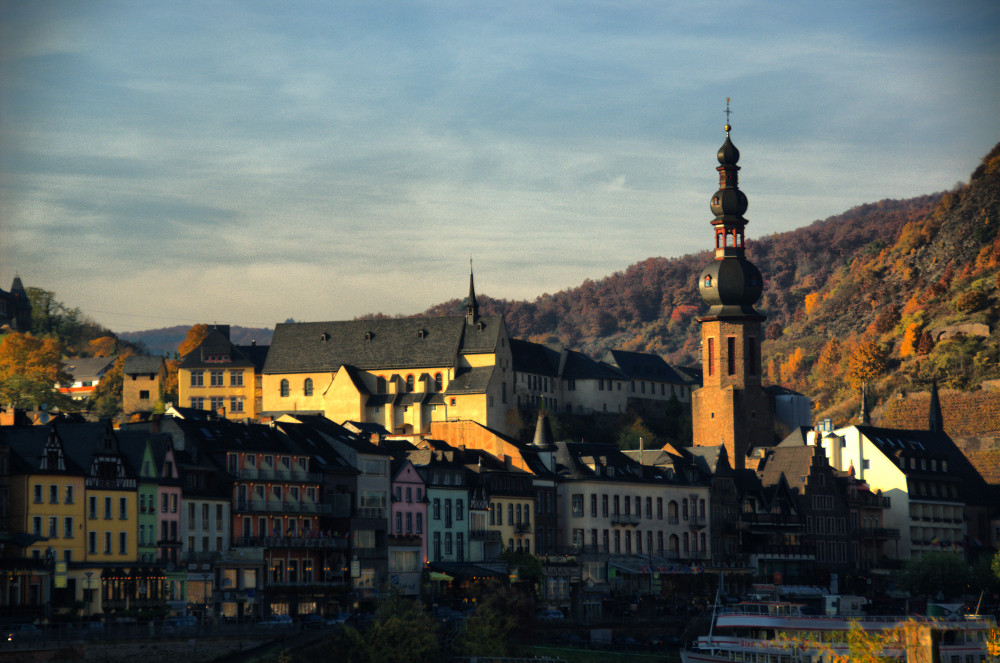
579, 366
139, 365
575, 456
27, 446
528, 357
792, 462
217, 343
642, 366
308, 440
470, 380
931, 445
336, 431
90, 367
394, 343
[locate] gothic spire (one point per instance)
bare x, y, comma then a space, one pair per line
936, 420
472, 306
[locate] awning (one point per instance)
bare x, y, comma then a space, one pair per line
440, 576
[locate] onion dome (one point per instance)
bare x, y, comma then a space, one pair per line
728, 154
730, 287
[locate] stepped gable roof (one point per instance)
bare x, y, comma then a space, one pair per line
216, 343
932, 445
579, 366
528, 357
788, 461
341, 434
387, 344
136, 364
27, 446
89, 367
470, 380
306, 440
643, 366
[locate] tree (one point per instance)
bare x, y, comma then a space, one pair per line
865, 363
773, 332
970, 301
107, 398
489, 630
104, 346
30, 371
629, 436
926, 345
529, 568
986, 573
936, 572
886, 320
402, 631
193, 339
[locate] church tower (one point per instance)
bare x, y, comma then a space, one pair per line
731, 408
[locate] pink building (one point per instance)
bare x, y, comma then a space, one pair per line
407, 528
168, 507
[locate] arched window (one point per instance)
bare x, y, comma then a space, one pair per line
672, 512
674, 543
409, 383
708, 281
284, 388
307, 387
380, 384
438, 382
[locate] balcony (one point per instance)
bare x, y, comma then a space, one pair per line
523, 528
698, 522
249, 555
877, 502
109, 482
484, 535
369, 512
328, 542
281, 475
770, 520
272, 506
672, 520
878, 533
621, 519
785, 552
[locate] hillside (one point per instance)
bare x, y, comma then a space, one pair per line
166, 339
906, 263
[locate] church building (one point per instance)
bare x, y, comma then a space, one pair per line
731, 408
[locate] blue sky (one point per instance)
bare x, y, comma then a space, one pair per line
241, 162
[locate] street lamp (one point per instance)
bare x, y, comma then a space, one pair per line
205, 577
90, 595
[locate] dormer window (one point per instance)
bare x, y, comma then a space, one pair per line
368, 336
324, 337
421, 333
479, 326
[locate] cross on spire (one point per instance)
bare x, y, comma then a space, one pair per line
727, 117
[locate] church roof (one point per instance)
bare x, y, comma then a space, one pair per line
378, 344
528, 357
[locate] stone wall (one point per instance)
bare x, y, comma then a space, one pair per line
180, 650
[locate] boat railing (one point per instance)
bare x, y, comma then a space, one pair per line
762, 611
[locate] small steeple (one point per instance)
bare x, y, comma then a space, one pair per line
863, 417
935, 420
472, 306
543, 432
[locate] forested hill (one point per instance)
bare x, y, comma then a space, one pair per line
888, 273
652, 305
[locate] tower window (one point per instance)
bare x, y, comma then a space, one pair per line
409, 383
708, 281
711, 352
731, 352
380, 384
751, 356
438, 383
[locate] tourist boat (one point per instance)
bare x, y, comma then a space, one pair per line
783, 632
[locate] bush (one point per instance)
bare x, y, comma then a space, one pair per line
970, 301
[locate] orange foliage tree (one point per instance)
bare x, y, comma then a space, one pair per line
194, 337
866, 362
104, 346
30, 371
910, 340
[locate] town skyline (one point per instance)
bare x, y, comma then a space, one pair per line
251, 166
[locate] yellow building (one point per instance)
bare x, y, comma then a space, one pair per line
222, 377
403, 374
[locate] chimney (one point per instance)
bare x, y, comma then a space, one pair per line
507, 465
253, 343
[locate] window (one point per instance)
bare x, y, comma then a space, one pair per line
36, 525
93, 507
92, 543
711, 356
53, 494
447, 543
235, 404
122, 543
447, 513
510, 514
284, 388
649, 507
67, 528
122, 508
420, 523
38, 493
204, 514
593, 506
69, 495
218, 517
437, 509
659, 509
399, 522
173, 503
372, 467
409, 383
307, 387
216, 403
731, 355
191, 516
216, 378
107, 543
604, 506
459, 510
578, 506
197, 378
107, 508
197, 403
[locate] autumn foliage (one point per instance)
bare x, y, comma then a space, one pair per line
30, 370
194, 337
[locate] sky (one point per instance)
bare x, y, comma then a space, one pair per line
167, 163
